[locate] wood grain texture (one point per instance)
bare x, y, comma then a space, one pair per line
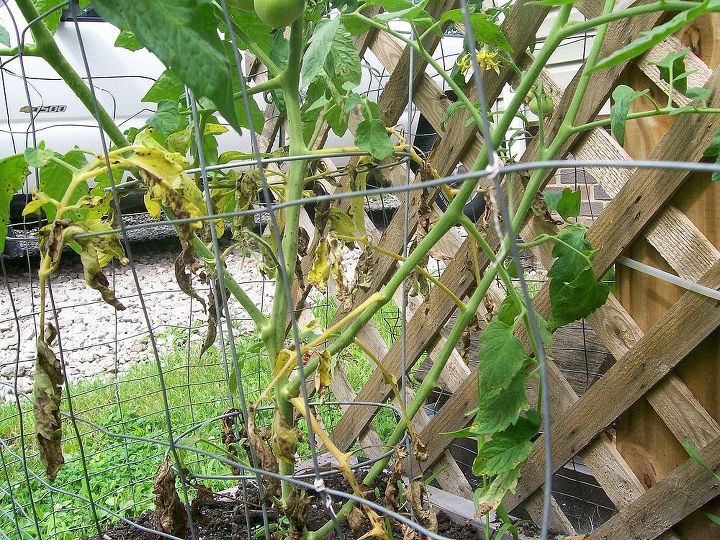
669, 501
651, 359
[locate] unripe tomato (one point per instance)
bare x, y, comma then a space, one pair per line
547, 105
279, 13
245, 5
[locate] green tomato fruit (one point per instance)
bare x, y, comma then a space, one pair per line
279, 13
244, 5
547, 105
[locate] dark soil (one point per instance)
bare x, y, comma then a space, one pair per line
224, 519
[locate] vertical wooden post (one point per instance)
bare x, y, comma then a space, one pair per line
642, 438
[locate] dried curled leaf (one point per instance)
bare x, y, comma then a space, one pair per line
247, 185
184, 279
409, 533
229, 438
336, 267
416, 497
296, 508
266, 459
357, 520
169, 509
212, 319
46, 404
96, 279
392, 490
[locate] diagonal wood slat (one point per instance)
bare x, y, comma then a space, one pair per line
673, 498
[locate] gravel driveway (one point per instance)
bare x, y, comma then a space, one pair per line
96, 339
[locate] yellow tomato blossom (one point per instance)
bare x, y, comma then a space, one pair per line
485, 58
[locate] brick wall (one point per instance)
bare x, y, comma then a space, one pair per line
594, 198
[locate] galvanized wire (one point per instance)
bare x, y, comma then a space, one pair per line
226, 341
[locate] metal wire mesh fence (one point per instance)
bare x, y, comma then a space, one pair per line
140, 392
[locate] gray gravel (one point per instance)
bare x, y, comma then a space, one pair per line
98, 341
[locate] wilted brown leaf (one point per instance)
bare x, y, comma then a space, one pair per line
357, 520
46, 404
169, 509
229, 439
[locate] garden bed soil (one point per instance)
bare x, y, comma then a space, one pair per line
223, 519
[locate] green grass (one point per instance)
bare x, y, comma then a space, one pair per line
121, 471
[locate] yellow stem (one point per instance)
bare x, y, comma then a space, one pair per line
291, 363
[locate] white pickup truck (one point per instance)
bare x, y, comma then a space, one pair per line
38, 106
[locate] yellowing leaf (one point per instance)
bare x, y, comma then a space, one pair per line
323, 375
284, 439
151, 205
281, 360
320, 271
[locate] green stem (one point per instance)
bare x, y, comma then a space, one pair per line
646, 114
274, 333
608, 17
46, 48
455, 209
270, 84
428, 385
235, 289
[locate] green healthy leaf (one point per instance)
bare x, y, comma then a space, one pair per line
337, 120
404, 10
183, 35
167, 86
354, 24
167, 117
484, 29
257, 31
372, 137
317, 52
52, 20
37, 157
507, 449
496, 491
13, 171
713, 149
698, 94
343, 64
712, 517
502, 356
672, 70
502, 409
574, 291
565, 202
55, 179
650, 38
622, 96
127, 40
4, 37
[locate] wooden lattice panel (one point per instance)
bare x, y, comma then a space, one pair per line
642, 207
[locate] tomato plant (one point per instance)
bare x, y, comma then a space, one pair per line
313, 74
